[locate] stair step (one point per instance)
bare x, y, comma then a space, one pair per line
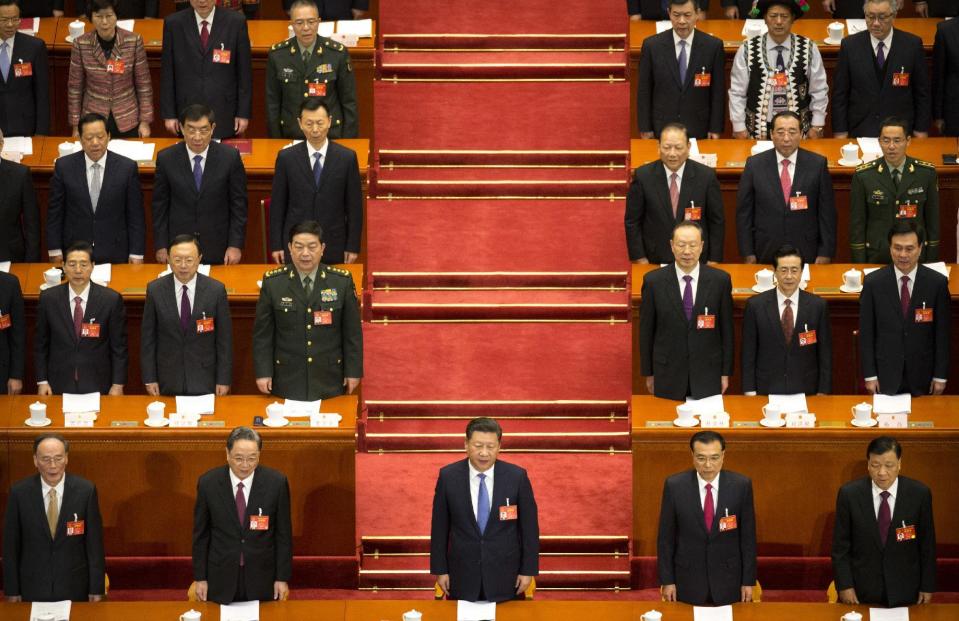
500, 410
548, 544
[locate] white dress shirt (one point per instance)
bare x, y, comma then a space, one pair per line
679, 176
689, 45
247, 484
475, 485
910, 284
682, 283
791, 168
89, 168
887, 44
208, 19
322, 151
702, 491
190, 291
84, 296
891, 501
45, 488
793, 302
202, 154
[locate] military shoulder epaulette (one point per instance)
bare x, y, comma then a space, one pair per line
338, 270
925, 164
283, 44
276, 271
869, 164
334, 45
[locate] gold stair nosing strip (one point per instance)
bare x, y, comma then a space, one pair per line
492, 305
498, 273
442, 50
523, 434
499, 402
500, 182
389, 289
387, 320
395, 79
551, 572
463, 35
510, 166
506, 151
505, 450
505, 197
387, 67
551, 537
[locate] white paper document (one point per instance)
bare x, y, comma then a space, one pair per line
889, 614
240, 611
89, 402
136, 150
203, 269
707, 405
126, 24
358, 27
855, 25
718, 613
761, 146
20, 144
5, 266
294, 408
325, 29
475, 611
663, 25
891, 404
789, 403
869, 145
59, 610
102, 273
940, 267
693, 146
196, 406
868, 270
806, 276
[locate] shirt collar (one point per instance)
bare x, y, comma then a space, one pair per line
714, 482
901, 168
190, 284
84, 295
679, 171
9, 43
911, 275
780, 157
312, 275
771, 44
893, 489
309, 49
45, 487
202, 153
247, 482
688, 40
102, 161
208, 19
322, 150
680, 273
474, 472
887, 41
781, 297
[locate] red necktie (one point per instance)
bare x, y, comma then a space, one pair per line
788, 322
884, 517
904, 297
708, 511
785, 181
674, 194
204, 34
241, 510
78, 315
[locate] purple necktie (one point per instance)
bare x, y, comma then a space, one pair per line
241, 510
185, 311
904, 297
78, 315
881, 54
708, 511
197, 171
688, 297
884, 518
317, 169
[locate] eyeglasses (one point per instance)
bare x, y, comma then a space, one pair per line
197, 131
703, 459
306, 22
49, 461
245, 460
893, 141
9, 20
878, 17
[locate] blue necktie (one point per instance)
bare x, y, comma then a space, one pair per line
4, 61
682, 61
482, 505
317, 168
197, 171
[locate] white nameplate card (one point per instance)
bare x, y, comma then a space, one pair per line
59, 611
892, 404
893, 421
78, 419
102, 273
87, 402
475, 611
294, 408
800, 420
889, 614
325, 420
706, 159
707, 404
714, 419
5, 266
183, 420
240, 611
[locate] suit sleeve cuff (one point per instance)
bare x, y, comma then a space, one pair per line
870, 379
55, 253
941, 381
751, 393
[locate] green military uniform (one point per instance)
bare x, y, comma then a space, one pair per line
876, 203
288, 80
304, 350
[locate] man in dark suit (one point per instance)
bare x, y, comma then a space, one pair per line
706, 547
80, 344
200, 188
13, 335
24, 77
95, 196
186, 338
670, 191
904, 321
658, 9
739, 9
945, 74
843, 9
787, 343
317, 180
799, 210
881, 72
331, 10
682, 78
19, 216
484, 536
686, 323
52, 533
129, 9
884, 541
936, 8
242, 534
206, 59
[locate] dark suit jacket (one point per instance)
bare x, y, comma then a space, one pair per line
12, 339
116, 229
701, 563
25, 101
764, 221
507, 548
649, 214
190, 363
190, 76
945, 76
849, 9
653, 9
216, 214
863, 95
219, 539
772, 366
337, 205
942, 8
890, 344
39, 8
132, 9
334, 9
19, 217
890, 573
41, 568
683, 359
662, 99
86, 364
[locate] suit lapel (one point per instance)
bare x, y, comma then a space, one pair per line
64, 310
212, 160
302, 156
468, 497
39, 504
662, 188
670, 47
868, 508
892, 293
772, 172
226, 490
186, 162
805, 315
81, 172
799, 174
775, 321
689, 179
171, 295
700, 515
672, 290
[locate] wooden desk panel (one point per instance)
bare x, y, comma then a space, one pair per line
796, 473
147, 477
732, 155
328, 610
263, 34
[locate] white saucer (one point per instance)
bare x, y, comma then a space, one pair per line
831, 41
69, 38
275, 422
846, 289
759, 289
692, 423
765, 422
29, 423
163, 422
850, 163
45, 286
872, 422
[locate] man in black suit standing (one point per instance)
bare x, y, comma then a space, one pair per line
95, 196
670, 191
24, 77
936, 8
52, 533
80, 344
881, 73
738, 9
787, 343
317, 180
686, 323
206, 59
945, 77
682, 78
799, 210
658, 9
904, 321
13, 335
843, 9
706, 547
200, 188
884, 541
484, 537
19, 216
242, 534
186, 338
